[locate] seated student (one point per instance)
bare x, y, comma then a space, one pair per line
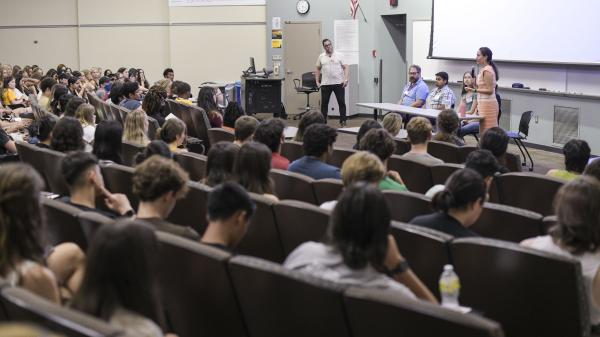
381, 143
7, 144
9, 93
270, 133
86, 114
182, 91
577, 235
43, 130
174, 133
577, 154
72, 104
154, 104
116, 93
84, 179
103, 88
364, 128
245, 127
252, 167
496, 140
309, 118
447, 125
120, 285
74, 86
458, 206
220, 163
358, 247
23, 261
392, 123
155, 147
158, 183
207, 100
136, 128
419, 134
107, 141
46, 88
318, 145
361, 166
441, 97
131, 91
468, 104
67, 135
60, 98
229, 210
169, 74
593, 169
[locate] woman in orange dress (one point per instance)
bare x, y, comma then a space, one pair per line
487, 105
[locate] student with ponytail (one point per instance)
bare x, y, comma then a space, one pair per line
457, 206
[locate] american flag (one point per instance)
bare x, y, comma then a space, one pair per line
353, 8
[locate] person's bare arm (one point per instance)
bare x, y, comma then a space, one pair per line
10, 146
408, 278
318, 76
486, 87
346, 72
41, 281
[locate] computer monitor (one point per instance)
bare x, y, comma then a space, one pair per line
252, 69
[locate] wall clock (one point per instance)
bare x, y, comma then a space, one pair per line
302, 6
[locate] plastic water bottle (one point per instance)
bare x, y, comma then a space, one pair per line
449, 287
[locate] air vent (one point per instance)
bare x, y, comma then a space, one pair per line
566, 124
505, 117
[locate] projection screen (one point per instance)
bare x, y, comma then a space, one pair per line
527, 31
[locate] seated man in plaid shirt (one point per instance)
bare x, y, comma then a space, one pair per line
441, 97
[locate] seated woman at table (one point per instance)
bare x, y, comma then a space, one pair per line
447, 125
468, 105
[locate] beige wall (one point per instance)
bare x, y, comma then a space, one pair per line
200, 43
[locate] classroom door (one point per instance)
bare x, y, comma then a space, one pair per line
301, 47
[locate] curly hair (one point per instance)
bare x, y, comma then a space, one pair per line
378, 142
67, 135
318, 138
270, 132
157, 176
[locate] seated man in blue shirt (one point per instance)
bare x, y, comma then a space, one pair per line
415, 91
318, 145
131, 91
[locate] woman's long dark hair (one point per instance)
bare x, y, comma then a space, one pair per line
359, 225
220, 163
252, 168
20, 215
107, 141
206, 100
487, 52
462, 188
59, 92
464, 87
121, 272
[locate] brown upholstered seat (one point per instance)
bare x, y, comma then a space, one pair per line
339, 155
191, 210
128, 151
294, 186
416, 176
193, 163
216, 135
90, 222
398, 316
531, 191
50, 162
404, 206
444, 151
327, 189
299, 222
118, 179
402, 146
279, 302
441, 172
507, 223
30, 154
292, 150
529, 292
62, 224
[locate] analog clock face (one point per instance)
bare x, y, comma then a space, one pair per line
302, 6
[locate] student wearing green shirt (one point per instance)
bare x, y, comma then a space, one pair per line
381, 143
577, 154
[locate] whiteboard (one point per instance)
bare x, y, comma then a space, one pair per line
555, 78
192, 3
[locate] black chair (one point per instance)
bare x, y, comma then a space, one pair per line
193, 163
191, 210
118, 179
294, 186
441, 172
216, 135
327, 189
30, 154
398, 316
262, 238
507, 223
402, 146
50, 162
404, 206
153, 127
529, 292
338, 156
444, 151
128, 151
196, 289
425, 249
279, 302
21, 305
522, 134
90, 222
292, 150
415, 175
531, 191
62, 223
307, 86
299, 222
463, 152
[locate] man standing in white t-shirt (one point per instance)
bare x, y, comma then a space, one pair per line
331, 65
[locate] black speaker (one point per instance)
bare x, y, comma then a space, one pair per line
263, 97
